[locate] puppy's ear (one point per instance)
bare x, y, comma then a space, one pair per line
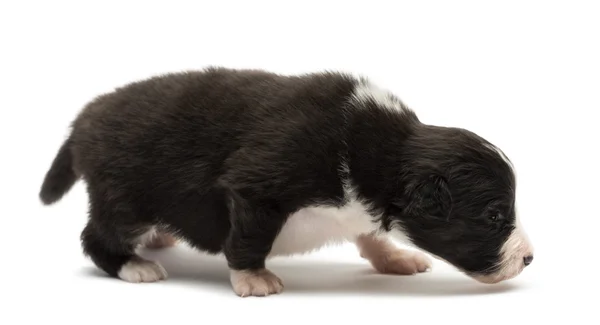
431, 198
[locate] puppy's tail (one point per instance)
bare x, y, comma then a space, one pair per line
60, 177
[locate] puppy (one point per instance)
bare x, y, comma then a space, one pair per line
252, 164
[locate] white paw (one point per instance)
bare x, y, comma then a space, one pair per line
403, 262
140, 270
255, 283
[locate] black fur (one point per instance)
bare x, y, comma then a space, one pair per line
221, 157
61, 177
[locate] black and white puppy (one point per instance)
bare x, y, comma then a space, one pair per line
254, 164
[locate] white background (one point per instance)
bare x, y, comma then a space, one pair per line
523, 74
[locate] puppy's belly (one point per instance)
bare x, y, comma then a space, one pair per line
314, 227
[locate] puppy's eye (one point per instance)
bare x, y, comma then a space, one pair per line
496, 217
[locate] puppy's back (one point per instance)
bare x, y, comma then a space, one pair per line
186, 125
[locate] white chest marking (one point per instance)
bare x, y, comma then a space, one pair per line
314, 227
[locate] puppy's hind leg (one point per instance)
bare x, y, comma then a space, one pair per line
111, 246
115, 255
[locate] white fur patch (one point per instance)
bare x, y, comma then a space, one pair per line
399, 235
314, 227
511, 264
366, 91
148, 236
140, 270
516, 247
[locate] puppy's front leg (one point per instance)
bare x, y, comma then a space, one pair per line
254, 227
389, 259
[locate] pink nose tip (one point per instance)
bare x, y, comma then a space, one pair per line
528, 259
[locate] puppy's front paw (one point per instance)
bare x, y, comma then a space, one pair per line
402, 262
255, 283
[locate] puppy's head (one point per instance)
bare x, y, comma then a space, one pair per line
459, 204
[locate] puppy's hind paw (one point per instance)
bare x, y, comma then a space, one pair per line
140, 270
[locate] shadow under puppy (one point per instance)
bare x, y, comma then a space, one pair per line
253, 164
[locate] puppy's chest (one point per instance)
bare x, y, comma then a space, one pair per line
314, 227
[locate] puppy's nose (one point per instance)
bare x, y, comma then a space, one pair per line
528, 259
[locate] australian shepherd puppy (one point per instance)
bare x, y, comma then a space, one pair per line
252, 164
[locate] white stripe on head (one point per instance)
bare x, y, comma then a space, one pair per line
516, 247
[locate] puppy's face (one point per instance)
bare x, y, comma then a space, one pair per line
467, 214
